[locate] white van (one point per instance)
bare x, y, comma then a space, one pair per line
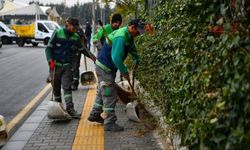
44, 30
38, 31
7, 35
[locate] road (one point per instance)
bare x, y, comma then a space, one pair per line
23, 71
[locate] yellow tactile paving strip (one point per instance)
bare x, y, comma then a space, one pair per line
89, 136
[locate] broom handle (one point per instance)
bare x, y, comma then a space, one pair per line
85, 63
133, 91
85, 47
133, 82
105, 33
53, 81
133, 77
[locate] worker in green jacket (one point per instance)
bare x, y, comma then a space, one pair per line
59, 56
99, 37
110, 59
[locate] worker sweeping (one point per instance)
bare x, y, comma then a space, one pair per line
109, 60
59, 56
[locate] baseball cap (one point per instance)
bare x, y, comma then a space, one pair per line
73, 21
139, 24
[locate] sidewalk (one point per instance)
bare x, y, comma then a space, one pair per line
38, 132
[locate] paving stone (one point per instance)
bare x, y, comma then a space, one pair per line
40, 144
63, 147
34, 119
29, 126
31, 148
47, 147
14, 145
21, 136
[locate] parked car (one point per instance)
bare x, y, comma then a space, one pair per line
7, 35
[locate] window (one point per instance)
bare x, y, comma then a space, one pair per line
42, 28
51, 26
1, 29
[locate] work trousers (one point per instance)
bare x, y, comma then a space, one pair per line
62, 77
106, 96
76, 60
88, 38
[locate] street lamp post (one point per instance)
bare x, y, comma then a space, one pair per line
102, 11
93, 20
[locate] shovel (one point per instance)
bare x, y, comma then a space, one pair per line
124, 91
56, 111
132, 109
87, 77
124, 95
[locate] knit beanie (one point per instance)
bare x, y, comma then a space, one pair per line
116, 17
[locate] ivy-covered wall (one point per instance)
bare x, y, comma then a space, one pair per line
197, 70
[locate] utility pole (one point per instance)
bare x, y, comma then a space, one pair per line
93, 19
64, 11
102, 11
103, 14
78, 11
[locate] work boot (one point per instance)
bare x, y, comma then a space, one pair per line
96, 118
113, 127
74, 114
48, 80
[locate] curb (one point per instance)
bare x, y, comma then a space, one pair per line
15, 123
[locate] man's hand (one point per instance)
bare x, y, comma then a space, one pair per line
52, 64
93, 58
126, 76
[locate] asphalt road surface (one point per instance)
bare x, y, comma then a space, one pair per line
23, 71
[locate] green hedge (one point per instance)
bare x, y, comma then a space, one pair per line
200, 79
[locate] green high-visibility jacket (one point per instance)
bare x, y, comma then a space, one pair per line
122, 44
99, 36
61, 45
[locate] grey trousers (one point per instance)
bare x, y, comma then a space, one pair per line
75, 66
63, 78
106, 96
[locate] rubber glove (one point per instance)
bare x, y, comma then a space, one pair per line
52, 64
